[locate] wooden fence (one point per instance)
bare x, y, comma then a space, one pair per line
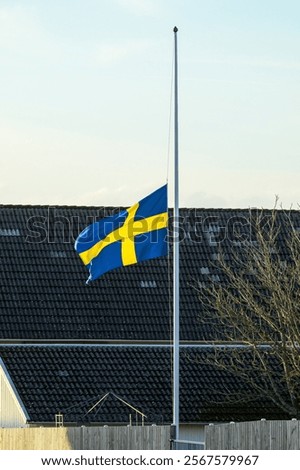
86, 438
260, 435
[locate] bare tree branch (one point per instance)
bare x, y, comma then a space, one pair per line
257, 304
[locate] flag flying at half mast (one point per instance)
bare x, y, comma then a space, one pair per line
133, 235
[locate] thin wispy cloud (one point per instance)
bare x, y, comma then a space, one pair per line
16, 23
110, 54
252, 62
139, 7
23, 36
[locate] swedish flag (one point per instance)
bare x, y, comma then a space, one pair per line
136, 234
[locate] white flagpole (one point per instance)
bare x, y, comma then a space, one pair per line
176, 253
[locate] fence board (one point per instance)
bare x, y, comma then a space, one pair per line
259, 435
293, 434
88, 438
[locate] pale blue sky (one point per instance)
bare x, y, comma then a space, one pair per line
85, 99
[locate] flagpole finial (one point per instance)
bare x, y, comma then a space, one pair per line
175, 29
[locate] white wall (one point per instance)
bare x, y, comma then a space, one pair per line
12, 410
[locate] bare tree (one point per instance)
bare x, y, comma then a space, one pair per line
254, 304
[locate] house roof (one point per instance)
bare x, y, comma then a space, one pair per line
44, 298
72, 379
43, 295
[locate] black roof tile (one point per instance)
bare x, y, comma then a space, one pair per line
42, 280
71, 379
